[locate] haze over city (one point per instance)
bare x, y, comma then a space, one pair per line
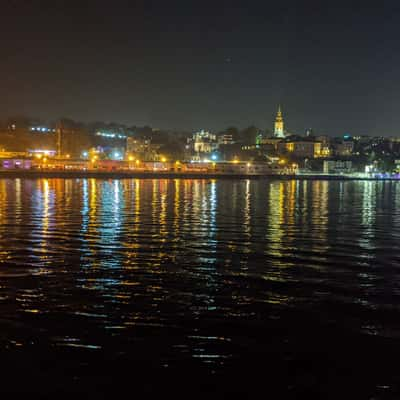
178, 65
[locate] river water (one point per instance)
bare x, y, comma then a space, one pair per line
200, 287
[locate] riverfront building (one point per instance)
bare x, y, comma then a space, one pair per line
337, 167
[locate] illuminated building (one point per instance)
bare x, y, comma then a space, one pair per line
344, 148
13, 154
142, 149
279, 125
59, 164
42, 152
325, 151
201, 144
225, 139
111, 135
337, 167
301, 148
204, 142
42, 129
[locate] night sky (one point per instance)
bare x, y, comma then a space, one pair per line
334, 66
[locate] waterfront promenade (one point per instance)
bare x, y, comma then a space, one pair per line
122, 174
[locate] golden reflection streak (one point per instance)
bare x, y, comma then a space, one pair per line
93, 201
154, 203
287, 199
196, 211
319, 215
304, 203
187, 201
46, 200
68, 193
291, 203
45, 214
18, 195
132, 244
201, 211
163, 192
247, 217
92, 231
247, 220
276, 218
3, 200
177, 196
137, 204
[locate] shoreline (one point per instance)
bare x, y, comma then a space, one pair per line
35, 174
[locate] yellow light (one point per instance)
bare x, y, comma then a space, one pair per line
282, 161
137, 161
130, 158
44, 159
39, 156
248, 165
235, 160
163, 159
68, 155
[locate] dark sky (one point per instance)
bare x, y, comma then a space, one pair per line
333, 65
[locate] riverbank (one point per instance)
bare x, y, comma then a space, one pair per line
35, 174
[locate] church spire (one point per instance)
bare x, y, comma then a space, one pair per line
279, 125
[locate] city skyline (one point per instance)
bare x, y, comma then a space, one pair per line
278, 117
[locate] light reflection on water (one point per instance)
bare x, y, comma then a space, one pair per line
123, 261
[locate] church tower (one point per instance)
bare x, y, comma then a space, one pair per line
279, 131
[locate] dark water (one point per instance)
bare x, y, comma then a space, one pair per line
200, 288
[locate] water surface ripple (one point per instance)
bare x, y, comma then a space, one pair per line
205, 275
